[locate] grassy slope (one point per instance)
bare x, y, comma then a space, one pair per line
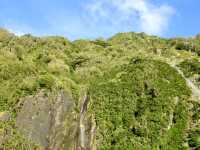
28, 64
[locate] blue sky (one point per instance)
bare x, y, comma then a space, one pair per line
77, 19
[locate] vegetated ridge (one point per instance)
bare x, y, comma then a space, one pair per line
131, 91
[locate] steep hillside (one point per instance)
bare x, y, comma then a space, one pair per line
132, 91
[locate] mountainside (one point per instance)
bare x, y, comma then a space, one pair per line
131, 91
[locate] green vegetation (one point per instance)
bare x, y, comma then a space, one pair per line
138, 100
190, 67
194, 133
191, 44
133, 104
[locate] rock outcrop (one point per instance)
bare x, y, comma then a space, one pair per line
47, 120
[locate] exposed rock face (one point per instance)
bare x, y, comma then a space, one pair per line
86, 127
62, 123
35, 118
47, 120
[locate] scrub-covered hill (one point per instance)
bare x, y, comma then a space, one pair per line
132, 91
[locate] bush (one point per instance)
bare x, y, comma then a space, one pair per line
194, 139
5, 35
102, 43
132, 106
46, 81
190, 67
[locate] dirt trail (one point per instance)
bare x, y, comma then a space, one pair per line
193, 87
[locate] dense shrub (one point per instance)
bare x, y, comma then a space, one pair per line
46, 81
194, 139
190, 67
133, 103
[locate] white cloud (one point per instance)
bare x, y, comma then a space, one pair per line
142, 15
16, 32
18, 29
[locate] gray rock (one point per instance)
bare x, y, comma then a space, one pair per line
47, 119
61, 122
34, 119
4, 116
